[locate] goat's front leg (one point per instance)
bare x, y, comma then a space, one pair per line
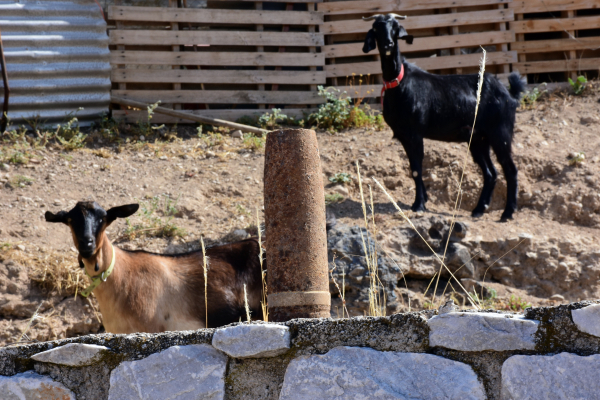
414, 151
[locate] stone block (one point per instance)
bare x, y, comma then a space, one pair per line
180, 372
482, 331
253, 340
587, 319
359, 373
564, 376
72, 354
32, 386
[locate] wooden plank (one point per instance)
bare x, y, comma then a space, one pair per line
218, 76
175, 27
217, 58
260, 49
286, 1
544, 46
429, 63
555, 24
134, 116
212, 16
215, 38
455, 31
385, 6
220, 96
422, 21
529, 6
536, 67
427, 43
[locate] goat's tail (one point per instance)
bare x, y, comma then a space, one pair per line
516, 85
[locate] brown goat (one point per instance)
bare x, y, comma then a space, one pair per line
147, 292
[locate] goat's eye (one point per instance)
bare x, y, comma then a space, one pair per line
374, 30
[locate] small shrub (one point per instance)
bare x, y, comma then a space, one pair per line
269, 121
253, 142
69, 135
578, 85
530, 97
20, 181
145, 127
577, 159
333, 198
248, 120
516, 304
338, 112
341, 177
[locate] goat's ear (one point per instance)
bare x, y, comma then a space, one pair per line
402, 34
121, 212
370, 43
60, 216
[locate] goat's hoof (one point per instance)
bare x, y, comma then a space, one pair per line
420, 208
477, 214
506, 218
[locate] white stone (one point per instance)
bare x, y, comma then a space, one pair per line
31, 386
365, 374
482, 331
237, 134
252, 341
561, 377
587, 319
180, 372
72, 354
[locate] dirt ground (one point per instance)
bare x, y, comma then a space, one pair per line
215, 191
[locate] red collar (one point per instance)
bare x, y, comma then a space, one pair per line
392, 84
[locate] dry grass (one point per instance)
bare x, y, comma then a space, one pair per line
377, 298
263, 273
205, 267
50, 270
246, 306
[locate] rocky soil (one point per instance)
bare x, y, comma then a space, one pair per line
549, 254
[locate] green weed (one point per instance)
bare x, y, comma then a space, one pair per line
333, 198
20, 181
253, 142
269, 121
339, 113
516, 304
530, 97
578, 85
341, 177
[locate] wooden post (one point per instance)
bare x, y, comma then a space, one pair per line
175, 27
259, 6
503, 47
120, 25
456, 31
520, 37
572, 53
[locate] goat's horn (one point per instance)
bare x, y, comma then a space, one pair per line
371, 17
398, 16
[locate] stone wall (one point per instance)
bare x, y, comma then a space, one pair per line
545, 353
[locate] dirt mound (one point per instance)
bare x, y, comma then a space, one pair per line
192, 187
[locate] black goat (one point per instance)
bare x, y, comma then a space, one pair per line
421, 105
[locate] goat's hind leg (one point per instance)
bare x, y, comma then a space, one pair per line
480, 150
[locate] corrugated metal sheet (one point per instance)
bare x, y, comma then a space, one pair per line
57, 59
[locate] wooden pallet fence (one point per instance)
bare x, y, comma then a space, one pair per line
556, 36
447, 32
215, 62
